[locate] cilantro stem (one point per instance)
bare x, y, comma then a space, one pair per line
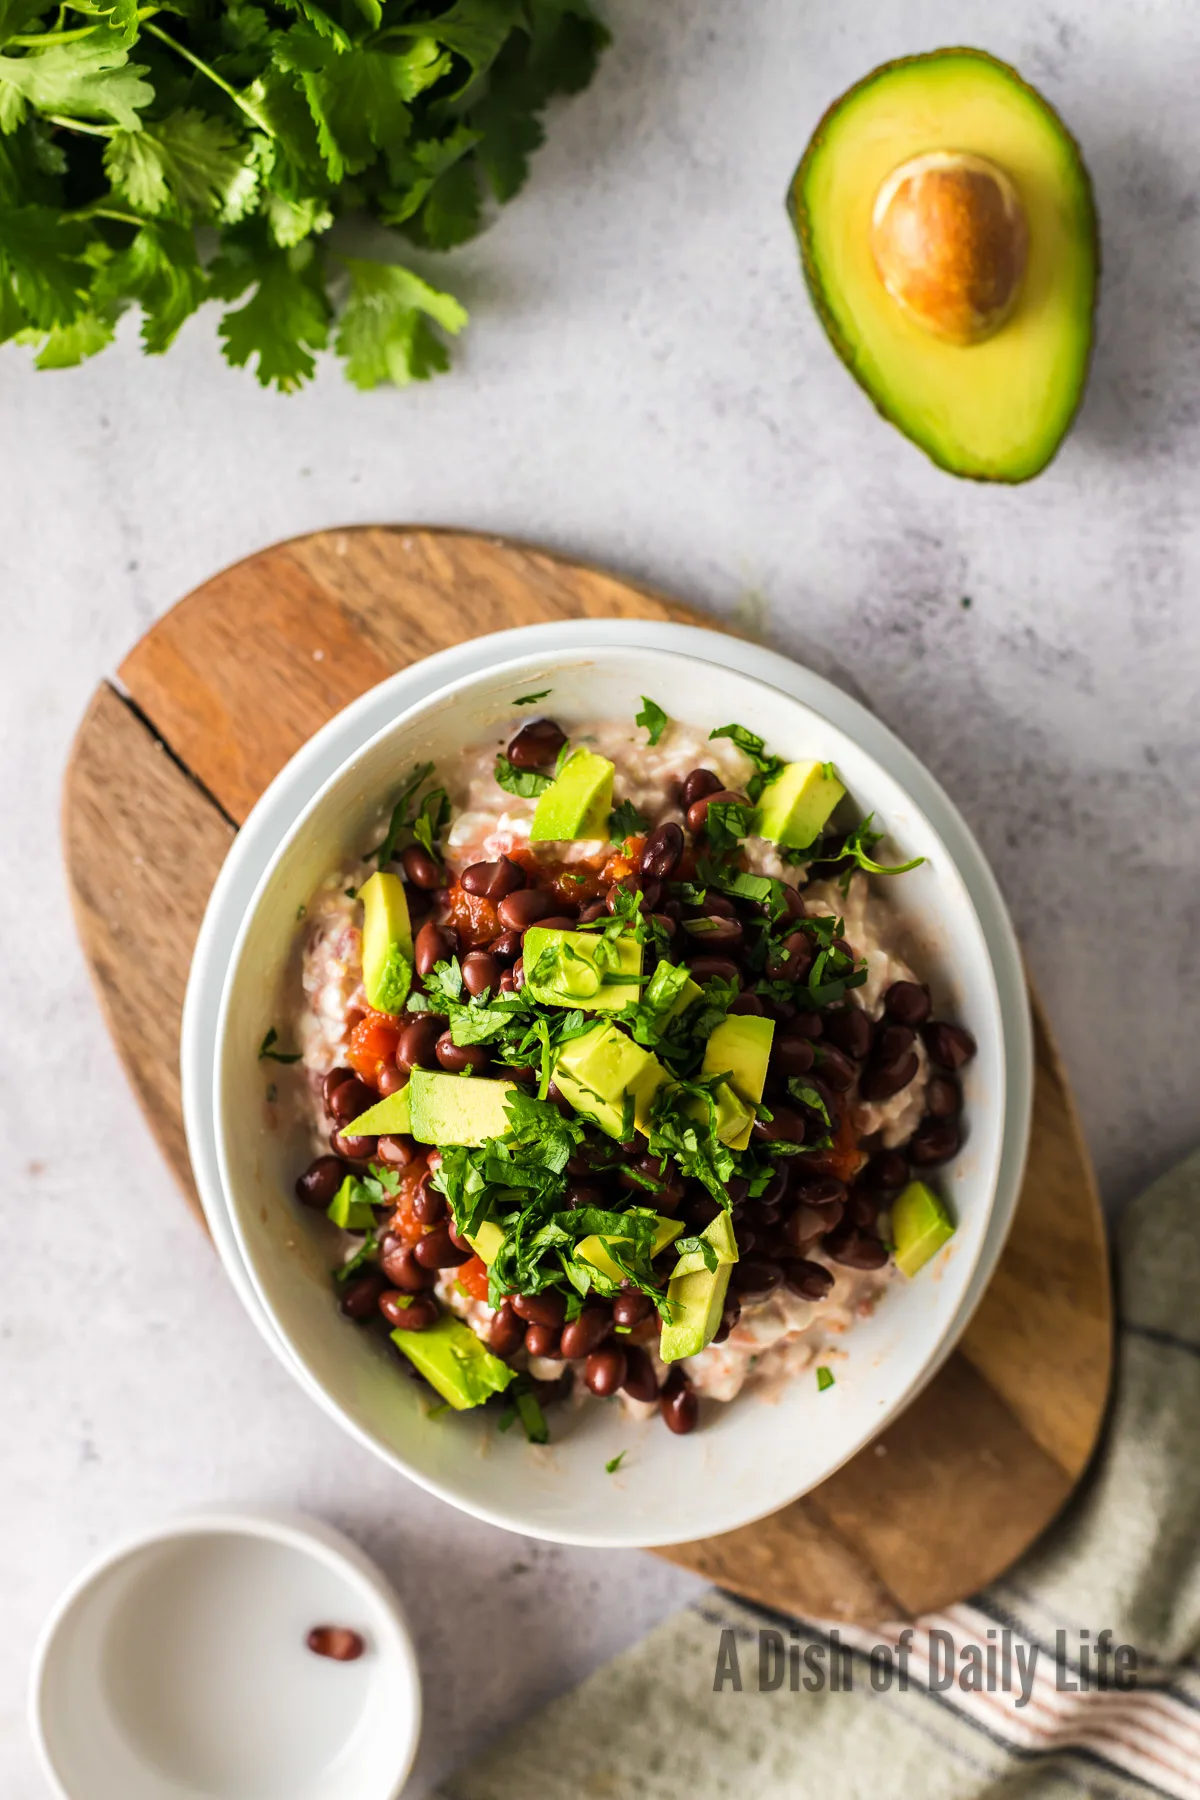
106, 212
37, 40
80, 125
247, 106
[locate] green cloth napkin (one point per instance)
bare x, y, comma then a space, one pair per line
1124, 1558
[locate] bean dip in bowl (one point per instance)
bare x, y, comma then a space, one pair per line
611, 1093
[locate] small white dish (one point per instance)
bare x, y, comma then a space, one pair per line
175, 1668
752, 1458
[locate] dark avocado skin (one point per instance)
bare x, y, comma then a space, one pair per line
801, 224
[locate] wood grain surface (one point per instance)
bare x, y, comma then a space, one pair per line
217, 697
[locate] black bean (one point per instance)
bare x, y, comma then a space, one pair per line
729, 1318
662, 851
549, 1308
713, 968
506, 947
907, 1002
679, 1405
481, 972
810, 1280
714, 933
401, 1266
792, 959
836, 1069
428, 1206
717, 906
786, 1123
436, 1250
350, 1099
648, 888
353, 1149
543, 1340
361, 1296
523, 908
336, 1642
887, 1171
949, 1046
321, 1181
417, 1047
934, 1141
892, 1042
582, 1335
750, 1276
421, 869
747, 1003
390, 1080
640, 1383
863, 1207
849, 1029
699, 783
410, 1312
457, 1057
507, 1332
943, 1097
605, 1370
493, 881
819, 1190
883, 1080
631, 1307
332, 1082
396, 1150
595, 909
431, 946
792, 1054
536, 744
855, 1249
808, 1025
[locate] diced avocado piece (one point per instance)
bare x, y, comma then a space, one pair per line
921, 1224
670, 991
387, 1118
349, 1209
486, 1241
720, 1235
948, 236
604, 1069
387, 944
456, 1109
577, 802
580, 968
794, 809
454, 1362
735, 1120
594, 1250
739, 1048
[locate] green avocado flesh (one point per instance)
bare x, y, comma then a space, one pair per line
739, 1049
795, 807
696, 1294
387, 946
997, 410
456, 1109
579, 969
454, 1362
607, 1078
390, 1117
577, 802
920, 1226
595, 1250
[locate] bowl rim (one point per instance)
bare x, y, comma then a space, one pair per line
313, 1538
1011, 1014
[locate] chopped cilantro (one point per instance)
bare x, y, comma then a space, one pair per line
301, 911
862, 840
267, 1052
532, 1418
526, 784
625, 821
824, 1378
399, 822
766, 767
531, 699
614, 1462
653, 718
352, 893
727, 823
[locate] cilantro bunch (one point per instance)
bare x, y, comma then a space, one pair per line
163, 155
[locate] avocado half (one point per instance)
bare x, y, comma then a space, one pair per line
992, 410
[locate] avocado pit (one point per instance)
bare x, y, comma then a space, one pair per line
950, 240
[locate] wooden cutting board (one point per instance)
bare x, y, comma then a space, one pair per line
170, 758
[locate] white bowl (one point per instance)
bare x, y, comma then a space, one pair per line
751, 1457
175, 1668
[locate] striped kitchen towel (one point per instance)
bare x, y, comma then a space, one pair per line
1077, 1674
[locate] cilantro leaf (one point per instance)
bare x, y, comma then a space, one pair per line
385, 332
653, 718
526, 784
399, 822
188, 162
285, 320
614, 1462
862, 840
727, 823
766, 767
531, 699
92, 79
626, 821
825, 1378
267, 1052
42, 270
